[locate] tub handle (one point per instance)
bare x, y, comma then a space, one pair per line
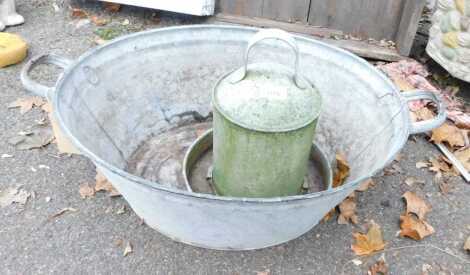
35, 87
426, 125
272, 34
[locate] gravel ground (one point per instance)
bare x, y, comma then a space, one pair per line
84, 242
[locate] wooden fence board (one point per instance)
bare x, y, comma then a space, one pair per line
409, 25
288, 11
251, 8
366, 18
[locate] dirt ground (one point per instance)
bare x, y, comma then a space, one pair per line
84, 241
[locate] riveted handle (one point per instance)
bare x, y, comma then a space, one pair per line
272, 34
33, 86
427, 125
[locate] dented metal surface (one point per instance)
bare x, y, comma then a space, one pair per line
109, 116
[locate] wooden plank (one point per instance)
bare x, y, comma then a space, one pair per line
409, 25
194, 7
250, 8
377, 19
366, 50
267, 23
288, 11
361, 48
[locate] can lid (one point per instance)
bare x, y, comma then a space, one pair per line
267, 98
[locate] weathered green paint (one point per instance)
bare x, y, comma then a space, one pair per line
251, 163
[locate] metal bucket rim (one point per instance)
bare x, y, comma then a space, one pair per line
154, 185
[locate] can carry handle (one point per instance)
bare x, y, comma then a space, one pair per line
35, 87
427, 125
272, 34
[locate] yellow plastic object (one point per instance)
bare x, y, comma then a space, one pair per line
13, 49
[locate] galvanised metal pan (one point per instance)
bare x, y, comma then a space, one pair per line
116, 96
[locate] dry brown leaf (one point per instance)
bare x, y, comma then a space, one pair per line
466, 246
38, 137
464, 157
448, 133
410, 181
102, 184
380, 267
329, 215
13, 195
111, 7
423, 114
128, 249
370, 242
416, 205
402, 84
27, 103
86, 191
347, 211
79, 13
63, 211
98, 21
414, 228
341, 171
422, 164
365, 185
444, 187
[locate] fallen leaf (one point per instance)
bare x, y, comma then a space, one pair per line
422, 164
86, 191
370, 242
347, 211
63, 211
78, 13
410, 181
423, 114
380, 267
398, 157
416, 205
464, 157
13, 195
341, 171
414, 228
444, 187
425, 269
393, 169
466, 246
448, 133
365, 185
128, 249
39, 137
121, 210
111, 7
98, 21
27, 103
356, 262
102, 184
329, 215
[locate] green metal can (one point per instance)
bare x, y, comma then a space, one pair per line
264, 122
